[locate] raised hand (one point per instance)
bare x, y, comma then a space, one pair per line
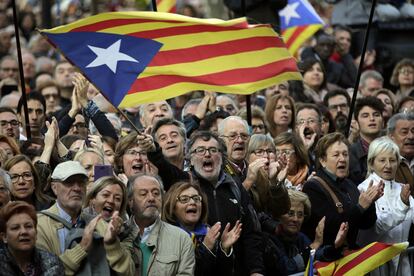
150, 168
212, 235
81, 89
371, 194
228, 238
319, 234
252, 172
202, 108
405, 194
341, 236
113, 229
96, 142
308, 142
146, 142
87, 237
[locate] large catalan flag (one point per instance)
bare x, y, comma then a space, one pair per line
362, 261
151, 56
298, 22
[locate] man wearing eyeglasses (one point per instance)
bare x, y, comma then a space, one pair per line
235, 133
206, 154
9, 124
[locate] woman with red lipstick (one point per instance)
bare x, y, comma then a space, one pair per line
186, 207
26, 185
394, 209
19, 255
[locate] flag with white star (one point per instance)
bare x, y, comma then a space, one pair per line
112, 62
298, 22
142, 57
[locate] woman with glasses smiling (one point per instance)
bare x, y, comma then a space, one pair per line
186, 207
290, 249
25, 182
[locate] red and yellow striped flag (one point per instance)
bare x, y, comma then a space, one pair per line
362, 261
167, 6
194, 54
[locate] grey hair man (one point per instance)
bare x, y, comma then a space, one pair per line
370, 81
150, 113
400, 128
157, 241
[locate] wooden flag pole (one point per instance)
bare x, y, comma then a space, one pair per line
21, 73
361, 64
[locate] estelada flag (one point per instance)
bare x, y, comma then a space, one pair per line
298, 22
362, 261
141, 57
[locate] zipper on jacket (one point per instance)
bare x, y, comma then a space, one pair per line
215, 205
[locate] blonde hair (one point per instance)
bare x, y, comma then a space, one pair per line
300, 197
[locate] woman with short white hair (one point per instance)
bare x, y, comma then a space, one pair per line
394, 209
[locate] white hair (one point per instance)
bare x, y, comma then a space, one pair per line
222, 124
378, 146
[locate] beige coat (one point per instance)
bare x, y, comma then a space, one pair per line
172, 251
117, 254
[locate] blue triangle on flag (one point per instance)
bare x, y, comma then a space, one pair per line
306, 15
115, 78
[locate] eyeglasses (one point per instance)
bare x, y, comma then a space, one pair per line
260, 127
406, 71
308, 121
26, 176
287, 152
9, 69
136, 152
342, 106
79, 125
47, 96
261, 152
3, 190
298, 214
201, 151
234, 136
13, 123
185, 198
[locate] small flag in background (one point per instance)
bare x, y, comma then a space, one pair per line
167, 6
141, 57
362, 261
298, 22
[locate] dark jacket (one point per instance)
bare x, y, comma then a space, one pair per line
287, 255
92, 112
228, 202
357, 163
209, 262
45, 263
323, 205
341, 74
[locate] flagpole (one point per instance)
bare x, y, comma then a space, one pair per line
21, 73
360, 67
154, 5
248, 99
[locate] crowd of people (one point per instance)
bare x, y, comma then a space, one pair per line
191, 188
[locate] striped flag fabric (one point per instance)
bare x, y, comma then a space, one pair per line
298, 22
167, 6
141, 57
362, 261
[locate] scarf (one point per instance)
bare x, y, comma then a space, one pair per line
300, 177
